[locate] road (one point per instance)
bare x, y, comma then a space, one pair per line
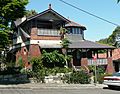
60, 91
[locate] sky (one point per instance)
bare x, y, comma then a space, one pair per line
96, 28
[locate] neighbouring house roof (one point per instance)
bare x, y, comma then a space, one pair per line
74, 24
88, 44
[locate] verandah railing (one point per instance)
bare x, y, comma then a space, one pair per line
100, 61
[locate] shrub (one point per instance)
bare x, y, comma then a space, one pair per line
20, 62
100, 78
79, 77
100, 70
53, 59
10, 70
36, 63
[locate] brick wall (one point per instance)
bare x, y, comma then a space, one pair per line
23, 53
110, 68
34, 50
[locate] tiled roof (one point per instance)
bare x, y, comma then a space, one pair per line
74, 24
88, 44
74, 37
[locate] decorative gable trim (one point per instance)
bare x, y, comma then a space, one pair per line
46, 11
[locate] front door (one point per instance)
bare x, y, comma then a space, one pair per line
77, 58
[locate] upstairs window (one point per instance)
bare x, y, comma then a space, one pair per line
49, 32
74, 30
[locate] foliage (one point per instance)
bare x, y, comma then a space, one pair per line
36, 63
63, 30
100, 78
10, 70
10, 10
112, 38
65, 43
3, 39
55, 70
43, 66
30, 13
100, 70
79, 77
20, 62
53, 59
118, 1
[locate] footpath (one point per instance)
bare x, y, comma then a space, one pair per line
51, 86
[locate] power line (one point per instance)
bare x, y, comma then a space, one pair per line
89, 13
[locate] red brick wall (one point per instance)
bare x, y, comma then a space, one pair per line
110, 68
84, 62
34, 50
116, 54
23, 53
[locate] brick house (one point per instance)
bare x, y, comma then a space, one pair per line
42, 31
116, 59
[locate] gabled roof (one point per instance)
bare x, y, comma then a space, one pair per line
20, 21
47, 11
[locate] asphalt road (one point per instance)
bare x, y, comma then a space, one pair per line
60, 91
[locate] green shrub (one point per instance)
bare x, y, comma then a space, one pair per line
53, 59
79, 77
54, 71
40, 74
20, 62
100, 72
36, 63
100, 78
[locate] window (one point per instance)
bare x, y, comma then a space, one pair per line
49, 32
76, 31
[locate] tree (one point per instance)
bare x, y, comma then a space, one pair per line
30, 13
111, 40
118, 1
10, 10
